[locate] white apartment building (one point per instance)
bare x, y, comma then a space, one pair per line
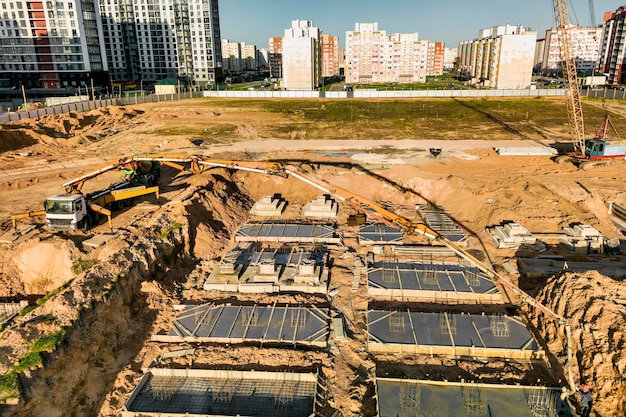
585, 45
51, 44
150, 40
301, 56
449, 58
231, 56
372, 56
238, 56
248, 57
366, 47
502, 57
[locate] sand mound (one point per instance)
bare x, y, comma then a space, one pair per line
44, 266
594, 305
69, 129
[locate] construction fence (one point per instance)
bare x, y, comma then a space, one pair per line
87, 105
367, 93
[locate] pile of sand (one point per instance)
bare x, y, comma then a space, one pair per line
595, 307
70, 129
36, 267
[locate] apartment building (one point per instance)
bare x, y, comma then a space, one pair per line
263, 58
436, 58
540, 47
613, 46
275, 55
231, 56
248, 57
501, 57
449, 58
365, 51
330, 55
150, 40
373, 56
238, 56
585, 46
51, 44
302, 56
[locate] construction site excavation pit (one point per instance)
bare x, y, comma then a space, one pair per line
196, 295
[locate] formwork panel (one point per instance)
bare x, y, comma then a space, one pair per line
410, 398
379, 233
193, 392
286, 232
257, 323
450, 334
429, 281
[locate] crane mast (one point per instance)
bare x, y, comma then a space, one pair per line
574, 105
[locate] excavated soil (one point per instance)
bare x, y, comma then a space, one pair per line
164, 247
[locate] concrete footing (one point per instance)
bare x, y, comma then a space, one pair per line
269, 206
323, 207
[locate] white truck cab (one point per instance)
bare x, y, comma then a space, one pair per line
66, 212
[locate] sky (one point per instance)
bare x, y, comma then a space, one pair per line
449, 21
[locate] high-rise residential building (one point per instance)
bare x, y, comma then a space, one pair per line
435, 59
301, 56
540, 47
150, 40
342, 62
584, 44
449, 58
330, 55
613, 46
501, 57
248, 57
231, 56
263, 58
365, 49
275, 49
238, 56
372, 56
51, 44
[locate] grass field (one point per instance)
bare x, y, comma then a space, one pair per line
444, 118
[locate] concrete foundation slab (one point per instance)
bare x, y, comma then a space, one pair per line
297, 325
194, 392
378, 233
431, 282
409, 398
14, 234
476, 336
287, 232
99, 240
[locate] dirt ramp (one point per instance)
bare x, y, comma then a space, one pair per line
595, 306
